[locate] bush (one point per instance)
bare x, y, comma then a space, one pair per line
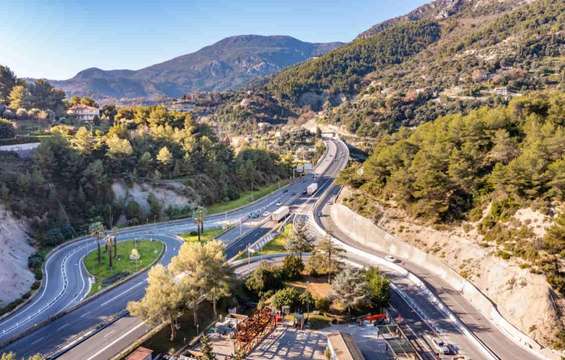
7, 129
262, 279
322, 304
306, 301
378, 288
286, 297
292, 267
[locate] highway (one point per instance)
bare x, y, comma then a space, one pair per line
499, 345
66, 281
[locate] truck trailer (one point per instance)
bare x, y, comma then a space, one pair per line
280, 213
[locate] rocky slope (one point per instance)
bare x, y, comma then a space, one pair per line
443, 9
227, 64
523, 297
15, 277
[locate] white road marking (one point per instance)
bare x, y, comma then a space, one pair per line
122, 293
115, 341
109, 333
37, 340
63, 326
86, 313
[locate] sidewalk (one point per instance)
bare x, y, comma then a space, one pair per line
289, 343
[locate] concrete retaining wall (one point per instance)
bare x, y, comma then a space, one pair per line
368, 234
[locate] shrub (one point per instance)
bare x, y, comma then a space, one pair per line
292, 267
264, 278
322, 304
286, 297
7, 129
306, 301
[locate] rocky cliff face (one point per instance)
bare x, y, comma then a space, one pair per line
15, 249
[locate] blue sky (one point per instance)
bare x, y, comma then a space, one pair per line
57, 38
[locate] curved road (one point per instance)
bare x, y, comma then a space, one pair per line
496, 342
66, 281
65, 284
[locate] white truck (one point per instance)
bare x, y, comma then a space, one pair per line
312, 188
280, 213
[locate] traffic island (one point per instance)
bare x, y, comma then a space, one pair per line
132, 256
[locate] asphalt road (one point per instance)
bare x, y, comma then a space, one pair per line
111, 340
66, 282
486, 332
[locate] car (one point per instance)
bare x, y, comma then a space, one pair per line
279, 203
285, 191
442, 348
266, 213
392, 259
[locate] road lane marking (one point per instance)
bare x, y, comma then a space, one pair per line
63, 326
109, 333
37, 340
122, 293
86, 313
115, 341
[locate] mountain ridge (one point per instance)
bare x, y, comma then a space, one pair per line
228, 64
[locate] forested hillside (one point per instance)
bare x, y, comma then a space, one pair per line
67, 183
479, 60
481, 168
341, 70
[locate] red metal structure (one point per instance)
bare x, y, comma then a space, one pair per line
253, 330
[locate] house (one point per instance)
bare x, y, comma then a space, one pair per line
84, 112
342, 347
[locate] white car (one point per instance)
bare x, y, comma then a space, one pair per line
392, 259
442, 348
279, 203
266, 213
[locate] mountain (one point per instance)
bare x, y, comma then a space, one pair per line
443, 9
228, 64
449, 56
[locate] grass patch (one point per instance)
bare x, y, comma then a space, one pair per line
318, 321
207, 235
245, 198
275, 246
122, 265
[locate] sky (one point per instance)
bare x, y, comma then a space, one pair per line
55, 39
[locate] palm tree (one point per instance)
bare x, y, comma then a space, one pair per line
97, 230
110, 246
198, 215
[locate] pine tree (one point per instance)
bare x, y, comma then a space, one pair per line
7, 81
163, 300
206, 349
327, 258
350, 288
554, 238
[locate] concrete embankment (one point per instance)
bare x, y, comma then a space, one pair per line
366, 233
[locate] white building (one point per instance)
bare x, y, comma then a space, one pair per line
83, 112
